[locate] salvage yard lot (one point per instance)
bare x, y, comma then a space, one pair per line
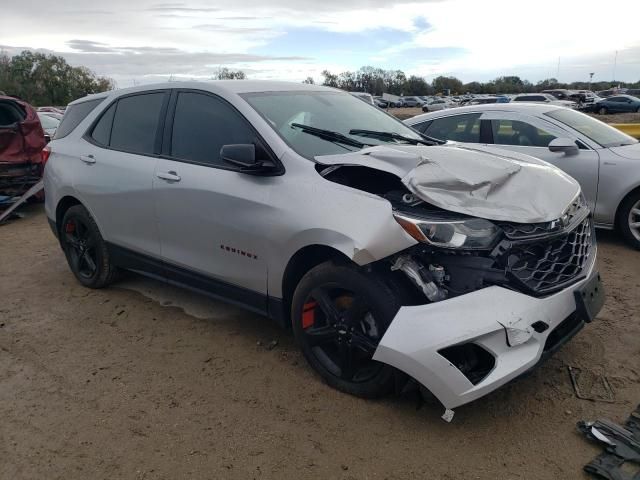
166, 384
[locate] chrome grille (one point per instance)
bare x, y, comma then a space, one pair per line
548, 264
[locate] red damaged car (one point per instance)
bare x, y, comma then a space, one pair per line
21, 142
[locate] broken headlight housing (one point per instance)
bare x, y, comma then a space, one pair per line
465, 233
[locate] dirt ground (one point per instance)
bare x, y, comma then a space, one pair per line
144, 381
404, 113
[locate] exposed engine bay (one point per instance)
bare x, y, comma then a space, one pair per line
458, 254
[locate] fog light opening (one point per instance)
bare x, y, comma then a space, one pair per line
540, 326
472, 360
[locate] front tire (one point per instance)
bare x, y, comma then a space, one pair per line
629, 220
85, 249
602, 111
339, 314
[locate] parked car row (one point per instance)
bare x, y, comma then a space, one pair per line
616, 104
583, 100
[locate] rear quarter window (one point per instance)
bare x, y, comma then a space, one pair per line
74, 114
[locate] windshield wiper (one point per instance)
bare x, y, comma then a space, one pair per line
330, 135
425, 140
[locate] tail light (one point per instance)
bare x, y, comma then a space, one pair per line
46, 151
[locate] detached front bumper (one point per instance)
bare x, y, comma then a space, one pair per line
418, 335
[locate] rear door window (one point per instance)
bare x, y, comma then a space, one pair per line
458, 128
135, 123
515, 132
74, 114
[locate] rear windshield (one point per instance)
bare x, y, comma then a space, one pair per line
48, 122
596, 130
74, 114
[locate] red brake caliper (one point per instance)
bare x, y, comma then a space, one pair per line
309, 314
70, 227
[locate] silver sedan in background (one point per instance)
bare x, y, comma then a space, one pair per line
604, 160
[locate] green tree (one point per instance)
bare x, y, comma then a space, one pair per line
417, 86
509, 84
330, 79
473, 87
443, 83
48, 79
226, 74
548, 84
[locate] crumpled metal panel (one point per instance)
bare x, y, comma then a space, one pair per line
481, 181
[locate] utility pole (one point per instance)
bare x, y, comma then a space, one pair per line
558, 72
615, 64
590, 79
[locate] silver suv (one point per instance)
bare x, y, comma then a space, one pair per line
393, 258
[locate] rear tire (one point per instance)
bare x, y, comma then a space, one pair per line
602, 111
339, 314
629, 220
85, 249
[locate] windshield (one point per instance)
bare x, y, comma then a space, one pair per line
596, 130
335, 111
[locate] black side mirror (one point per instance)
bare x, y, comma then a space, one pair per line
243, 155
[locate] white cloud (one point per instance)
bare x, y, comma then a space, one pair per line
498, 36
491, 37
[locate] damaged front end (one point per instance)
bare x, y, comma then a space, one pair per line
458, 255
470, 253
489, 299
486, 296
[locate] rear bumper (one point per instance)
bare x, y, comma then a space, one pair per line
417, 335
17, 178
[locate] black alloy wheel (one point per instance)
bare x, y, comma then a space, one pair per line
81, 247
341, 332
85, 249
339, 315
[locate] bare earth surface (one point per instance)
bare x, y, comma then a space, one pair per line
110, 384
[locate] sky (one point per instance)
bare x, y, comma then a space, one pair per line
144, 41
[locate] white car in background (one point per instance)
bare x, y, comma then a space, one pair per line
543, 98
436, 105
604, 160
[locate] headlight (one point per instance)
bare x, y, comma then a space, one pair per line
472, 233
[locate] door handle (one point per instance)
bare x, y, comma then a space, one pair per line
89, 159
170, 176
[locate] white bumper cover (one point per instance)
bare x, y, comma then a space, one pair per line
417, 333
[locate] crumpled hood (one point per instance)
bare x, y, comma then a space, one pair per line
481, 181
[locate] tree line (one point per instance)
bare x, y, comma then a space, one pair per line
42, 79
377, 81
